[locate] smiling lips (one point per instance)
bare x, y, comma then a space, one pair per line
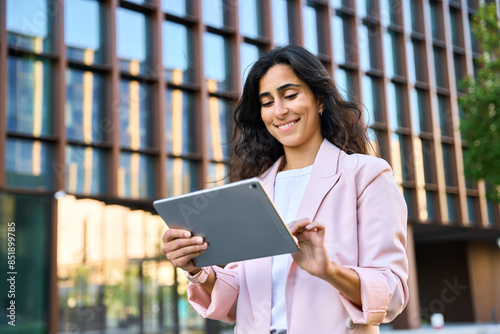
287, 125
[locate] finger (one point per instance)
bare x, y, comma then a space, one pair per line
185, 262
183, 255
172, 234
298, 224
176, 244
315, 227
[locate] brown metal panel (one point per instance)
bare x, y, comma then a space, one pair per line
298, 26
3, 88
202, 96
59, 102
442, 212
327, 15
267, 25
159, 100
113, 102
236, 42
463, 216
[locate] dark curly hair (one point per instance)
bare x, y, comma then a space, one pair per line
254, 149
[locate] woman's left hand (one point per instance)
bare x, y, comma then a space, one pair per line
312, 256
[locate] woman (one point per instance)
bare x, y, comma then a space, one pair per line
308, 146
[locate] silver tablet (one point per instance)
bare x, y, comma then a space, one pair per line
237, 220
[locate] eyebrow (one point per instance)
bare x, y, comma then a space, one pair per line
279, 89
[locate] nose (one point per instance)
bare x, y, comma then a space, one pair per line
279, 109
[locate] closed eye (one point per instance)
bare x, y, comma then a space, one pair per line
291, 96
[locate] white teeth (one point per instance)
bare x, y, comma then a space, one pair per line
287, 125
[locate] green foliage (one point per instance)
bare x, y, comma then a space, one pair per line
480, 124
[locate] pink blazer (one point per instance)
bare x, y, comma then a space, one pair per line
358, 200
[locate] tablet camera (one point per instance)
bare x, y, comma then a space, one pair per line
252, 186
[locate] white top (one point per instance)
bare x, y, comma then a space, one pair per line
289, 188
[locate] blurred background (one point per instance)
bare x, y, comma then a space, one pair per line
108, 105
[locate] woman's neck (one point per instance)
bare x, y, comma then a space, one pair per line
300, 157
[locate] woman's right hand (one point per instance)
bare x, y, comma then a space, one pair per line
181, 247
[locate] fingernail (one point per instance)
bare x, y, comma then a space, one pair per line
204, 245
187, 234
199, 240
309, 226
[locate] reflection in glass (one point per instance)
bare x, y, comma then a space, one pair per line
400, 152
460, 71
436, 20
177, 52
310, 17
367, 48
217, 173
444, 116
82, 34
339, 51
29, 164
415, 111
214, 12
28, 25
395, 105
281, 24
28, 96
135, 176
369, 99
344, 82
372, 137
389, 12
135, 115
249, 54
391, 54
131, 43
219, 115
412, 15
440, 67
492, 207
449, 165
397, 158
217, 60
84, 106
472, 208
33, 219
250, 18
176, 7
182, 176
85, 170
179, 122
456, 27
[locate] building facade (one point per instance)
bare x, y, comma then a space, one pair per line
108, 105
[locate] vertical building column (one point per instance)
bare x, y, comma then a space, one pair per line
159, 100
113, 101
3, 89
410, 317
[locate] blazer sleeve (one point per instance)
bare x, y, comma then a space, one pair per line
382, 260
221, 304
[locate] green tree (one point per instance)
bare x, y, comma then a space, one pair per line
480, 123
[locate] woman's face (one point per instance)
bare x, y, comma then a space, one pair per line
289, 109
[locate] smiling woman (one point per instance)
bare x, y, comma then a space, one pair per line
308, 146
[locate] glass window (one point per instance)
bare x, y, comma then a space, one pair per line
85, 170
215, 13
135, 115
310, 17
367, 39
472, 208
396, 106
250, 18
436, 20
452, 202
29, 218
492, 207
135, 175
444, 116
401, 153
432, 208
460, 71
344, 81
29, 164
28, 96
449, 165
218, 127
340, 3
456, 27
28, 25
217, 174
389, 12
366, 8
85, 107
343, 49
182, 176
371, 94
428, 155
440, 67
82, 34
416, 61
217, 61
282, 27
179, 122
473, 39
413, 15
177, 7
421, 111
409, 195
249, 54
177, 53
131, 40
392, 53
